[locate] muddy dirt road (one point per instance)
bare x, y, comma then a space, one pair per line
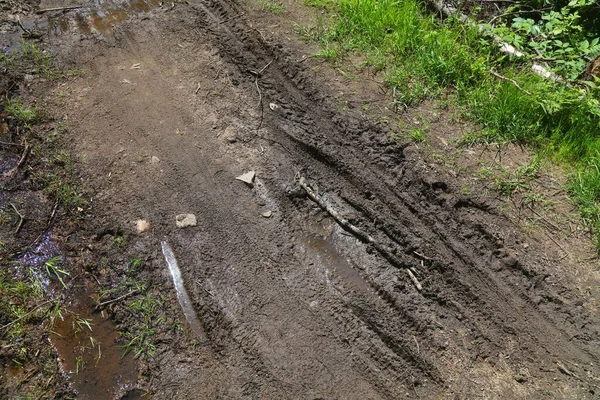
177, 100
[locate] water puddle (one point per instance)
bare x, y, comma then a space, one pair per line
329, 262
91, 356
86, 341
100, 18
184, 300
97, 18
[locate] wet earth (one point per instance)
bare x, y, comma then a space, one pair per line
395, 285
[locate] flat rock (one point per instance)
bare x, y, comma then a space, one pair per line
267, 214
185, 220
247, 178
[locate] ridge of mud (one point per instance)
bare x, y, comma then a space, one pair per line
476, 268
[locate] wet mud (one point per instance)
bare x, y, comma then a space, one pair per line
294, 305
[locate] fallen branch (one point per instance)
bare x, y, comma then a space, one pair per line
359, 233
20, 216
59, 9
504, 47
504, 78
12, 171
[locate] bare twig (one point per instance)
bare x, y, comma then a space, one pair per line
10, 144
359, 233
504, 78
197, 89
25, 315
22, 218
265, 67
117, 299
260, 103
414, 279
27, 31
59, 9
423, 256
12, 171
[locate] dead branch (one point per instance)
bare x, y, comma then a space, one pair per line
504, 78
12, 171
504, 47
22, 218
359, 233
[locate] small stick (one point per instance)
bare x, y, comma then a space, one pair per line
197, 89
58, 9
25, 315
19, 164
260, 103
10, 144
423, 256
20, 216
504, 78
27, 31
414, 279
117, 299
265, 67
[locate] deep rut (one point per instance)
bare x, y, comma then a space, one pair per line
293, 306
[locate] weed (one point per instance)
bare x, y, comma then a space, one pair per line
26, 116
140, 340
119, 241
418, 135
272, 5
53, 270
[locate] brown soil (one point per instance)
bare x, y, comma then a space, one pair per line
177, 100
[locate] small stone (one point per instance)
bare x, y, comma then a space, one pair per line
267, 214
273, 106
230, 135
29, 77
247, 178
142, 226
185, 220
154, 160
525, 245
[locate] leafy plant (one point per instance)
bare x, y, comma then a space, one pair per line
555, 36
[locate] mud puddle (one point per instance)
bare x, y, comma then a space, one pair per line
87, 342
101, 18
331, 266
92, 357
98, 19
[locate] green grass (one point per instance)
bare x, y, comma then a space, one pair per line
272, 5
422, 57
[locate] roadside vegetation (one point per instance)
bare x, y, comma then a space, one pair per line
424, 57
